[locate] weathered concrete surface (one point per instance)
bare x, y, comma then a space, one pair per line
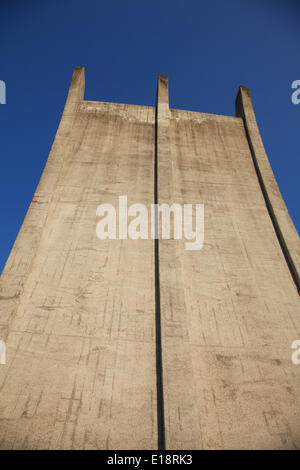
81, 346
78, 314
231, 310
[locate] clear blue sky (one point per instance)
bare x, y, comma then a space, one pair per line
208, 48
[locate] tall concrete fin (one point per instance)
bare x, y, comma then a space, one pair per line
79, 309
22, 255
180, 405
285, 230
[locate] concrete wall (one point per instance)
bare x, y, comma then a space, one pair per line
230, 311
86, 320
81, 343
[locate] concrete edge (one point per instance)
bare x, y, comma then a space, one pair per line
283, 225
10, 298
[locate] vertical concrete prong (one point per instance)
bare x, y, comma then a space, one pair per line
76, 89
283, 225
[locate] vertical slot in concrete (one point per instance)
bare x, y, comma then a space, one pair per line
158, 336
